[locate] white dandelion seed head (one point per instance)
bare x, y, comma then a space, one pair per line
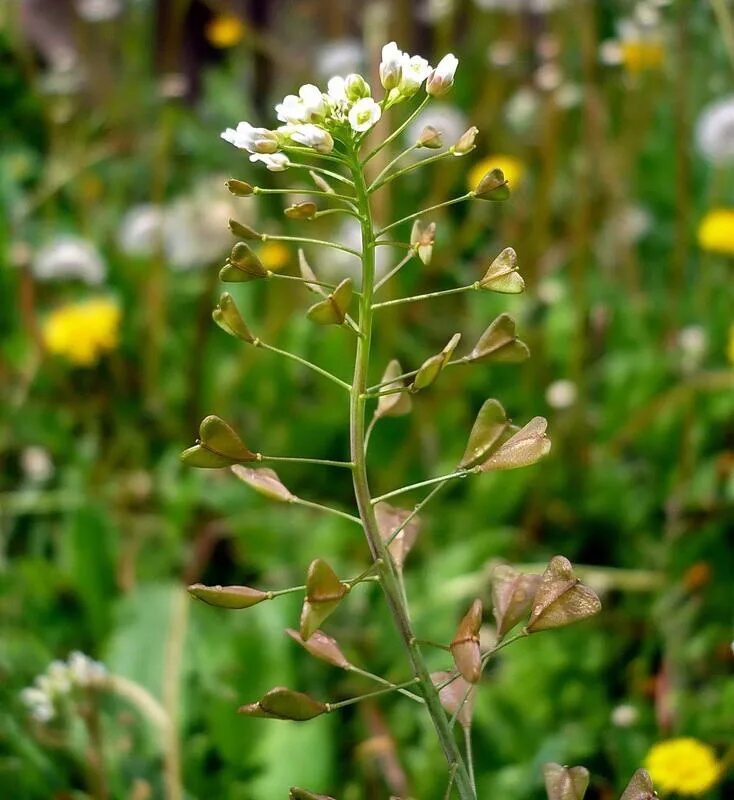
69, 257
715, 131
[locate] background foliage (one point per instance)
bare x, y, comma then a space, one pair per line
101, 527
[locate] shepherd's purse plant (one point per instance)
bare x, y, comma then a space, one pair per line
329, 135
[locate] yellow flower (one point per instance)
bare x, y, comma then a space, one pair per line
225, 30
730, 346
684, 765
82, 332
274, 256
510, 165
716, 231
639, 55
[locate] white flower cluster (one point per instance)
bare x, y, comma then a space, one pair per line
345, 111
59, 680
69, 257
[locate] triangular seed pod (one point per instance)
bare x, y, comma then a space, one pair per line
430, 137
282, 703
640, 787
454, 694
239, 188
522, 449
493, 186
243, 231
264, 481
422, 237
432, 367
389, 519
561, 598
565, 783
490, 429
466, 142
499, 343
397, 404
465, 647
242, 266
305, 210
228, 596
303, 794
502, 275
333, 310
308, 275
218, 446
512, 596
324, 592
229, 319
321, 646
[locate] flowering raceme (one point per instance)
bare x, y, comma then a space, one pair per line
314, 119
82, 332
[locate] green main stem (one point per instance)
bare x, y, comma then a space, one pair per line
389, 578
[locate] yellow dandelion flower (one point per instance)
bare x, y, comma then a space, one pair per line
274, 256
716, 231
730, 346
82, 332
640, 55
513, 168
225, 30
683, 765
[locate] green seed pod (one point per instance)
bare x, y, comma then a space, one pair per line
502, 275
432, 367
465, 647
561, 598
239, 188
243, 231
333, 310
218, 446
491, 428
466, 142
305, 210
321, 646
493, 186
282, 703
228, 596
264, 481
324, 592
242, 266
398, 403
430, 137
499, 343
229, 319
565, 783
522, 449
303, 794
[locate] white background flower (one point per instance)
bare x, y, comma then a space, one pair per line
277, 162
715, 131
69, 257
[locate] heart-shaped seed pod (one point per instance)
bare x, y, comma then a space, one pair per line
561, 598
218, 446
502, 275
565, 783
324, 592
522, 449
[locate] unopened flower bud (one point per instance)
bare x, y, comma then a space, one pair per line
442, 77
430, 137
466, 142
391, 66
356, 87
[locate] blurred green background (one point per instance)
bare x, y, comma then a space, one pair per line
622, 214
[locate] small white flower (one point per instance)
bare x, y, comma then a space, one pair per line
36, 464
275, 162
624, 715
308, 106
414, 70
254, 140
69, 257
339, 57
715, 131
391, 66
310, 135
291, 110
442, 78
364, 114
336, 89
85, 671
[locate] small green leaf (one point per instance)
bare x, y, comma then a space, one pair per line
228, 596
333, 310
502, 275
